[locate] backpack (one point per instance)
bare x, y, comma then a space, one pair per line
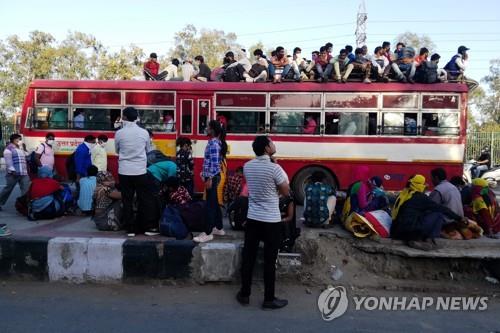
32, 164
233, 74
171, 224
154, 156
71, 167
427, 73
193, 215
256, 70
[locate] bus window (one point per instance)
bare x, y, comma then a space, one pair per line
399, 123
95, 118
203, 111
440, 124
50, 117
351, 123
239, 122
287, 122
157, 120
187, 116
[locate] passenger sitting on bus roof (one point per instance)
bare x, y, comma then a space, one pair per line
398, 52
168, 122
298, 64
282, 62
46, 203
362, 65
82, 156
323, 65
86, 193
204, 71
380, 65
187, 70
457, 64
242, 60
79, 119
428, 71
234, 70
404, 66
172, 70
319, 201
258, 72
107, 203
310, 126
350, 55
342, 66
328, 49
99, 155
416, 218
258, 54
151, 69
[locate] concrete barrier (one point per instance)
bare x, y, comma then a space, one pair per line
67, 259
105, 259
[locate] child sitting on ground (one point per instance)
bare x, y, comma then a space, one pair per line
87, 188
177, 194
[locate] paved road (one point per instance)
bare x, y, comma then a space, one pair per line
50, 307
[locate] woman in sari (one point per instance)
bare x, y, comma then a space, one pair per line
107, 203
485, 209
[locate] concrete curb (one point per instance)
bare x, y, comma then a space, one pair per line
112, 260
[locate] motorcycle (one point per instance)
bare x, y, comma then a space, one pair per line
491, 175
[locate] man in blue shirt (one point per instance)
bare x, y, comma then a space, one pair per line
82, 157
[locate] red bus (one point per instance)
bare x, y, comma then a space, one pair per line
396, 129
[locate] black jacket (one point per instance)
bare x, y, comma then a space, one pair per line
413, 211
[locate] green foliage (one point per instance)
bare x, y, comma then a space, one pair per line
211, 44
416, 41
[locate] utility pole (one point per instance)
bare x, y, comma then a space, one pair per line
361, 25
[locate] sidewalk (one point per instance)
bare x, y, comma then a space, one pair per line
72, 249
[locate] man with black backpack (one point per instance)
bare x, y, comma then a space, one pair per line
43, 154
428, 71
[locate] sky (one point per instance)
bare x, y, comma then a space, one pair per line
152, 24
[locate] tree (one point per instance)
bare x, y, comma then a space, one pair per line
416, 41
211, 44
122, 65
23, 61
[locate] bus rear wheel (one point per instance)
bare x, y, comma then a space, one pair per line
303, 177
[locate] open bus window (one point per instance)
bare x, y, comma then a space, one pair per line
351, 123
287, 122
440, 124
157, 120
399, 123
243, 122
95, 118
50, 117
203, 110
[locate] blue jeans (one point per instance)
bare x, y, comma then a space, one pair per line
286, 69
324, 73
271, 69
213, 212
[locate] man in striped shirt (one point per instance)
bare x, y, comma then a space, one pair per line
265, 180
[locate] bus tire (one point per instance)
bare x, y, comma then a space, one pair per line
302, 178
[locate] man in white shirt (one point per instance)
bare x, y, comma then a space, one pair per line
99, 155
187, 70
171, 69
132, 144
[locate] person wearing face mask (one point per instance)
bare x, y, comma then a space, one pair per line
16, 167
118, 123
99, 155
83, 157
204, 71
44, 153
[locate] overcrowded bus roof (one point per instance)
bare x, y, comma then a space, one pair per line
243, 86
